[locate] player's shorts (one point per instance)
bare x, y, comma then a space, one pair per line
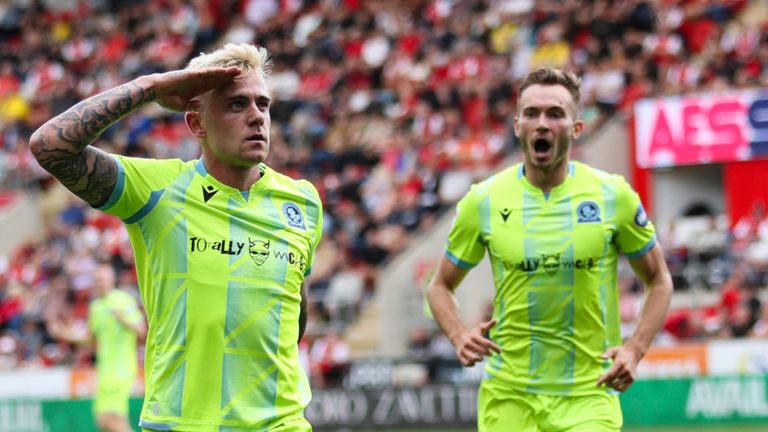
510, 410
112, 398
293, 425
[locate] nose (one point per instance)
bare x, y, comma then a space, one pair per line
542, 123
255, 114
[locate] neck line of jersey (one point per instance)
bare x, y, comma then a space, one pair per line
555, 190
235, 193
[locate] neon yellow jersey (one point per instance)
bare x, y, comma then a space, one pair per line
554, 264
116, 360
220, 274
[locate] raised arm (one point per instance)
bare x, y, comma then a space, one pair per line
61, 145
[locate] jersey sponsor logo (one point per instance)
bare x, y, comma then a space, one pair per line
588, 212
293, 214
505, 214
258, 250
224, 247
208, 192
552, 263
641, 218
292, 258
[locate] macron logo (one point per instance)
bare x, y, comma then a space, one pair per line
505, 214
208, 192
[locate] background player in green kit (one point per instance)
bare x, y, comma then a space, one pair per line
553, 229
223, 244
114, 323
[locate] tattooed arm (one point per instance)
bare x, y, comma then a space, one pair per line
61, 145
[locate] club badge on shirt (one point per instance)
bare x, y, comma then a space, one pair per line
293, 215
588, 212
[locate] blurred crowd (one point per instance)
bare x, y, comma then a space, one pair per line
727, 261
392, 109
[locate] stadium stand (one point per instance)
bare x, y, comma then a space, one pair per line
390, 108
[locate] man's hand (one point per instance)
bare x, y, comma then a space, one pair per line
472, 345
176, 90
624, 370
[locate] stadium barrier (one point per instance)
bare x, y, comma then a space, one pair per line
720, 382
689, 401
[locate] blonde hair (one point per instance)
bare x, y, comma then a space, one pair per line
247, 57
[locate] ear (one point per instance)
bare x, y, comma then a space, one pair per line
578, 127
195, 123
516, 125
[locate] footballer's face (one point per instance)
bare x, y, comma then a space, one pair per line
234, 122
546, 125
103, 280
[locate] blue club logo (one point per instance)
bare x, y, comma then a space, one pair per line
641, 218
293, 215
588, 212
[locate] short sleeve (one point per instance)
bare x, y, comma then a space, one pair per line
139, 183
465, 247
636, 233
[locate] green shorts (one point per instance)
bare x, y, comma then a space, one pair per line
510, 410
112, 398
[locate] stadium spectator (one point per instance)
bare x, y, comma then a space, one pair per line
329, 359
425, 38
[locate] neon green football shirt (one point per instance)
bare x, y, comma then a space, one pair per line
554, 264
220, 273
116, 360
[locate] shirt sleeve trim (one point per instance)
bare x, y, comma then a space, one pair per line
119, 186
458, 261
651, 243
151, 203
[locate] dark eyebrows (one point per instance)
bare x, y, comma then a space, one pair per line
533, 108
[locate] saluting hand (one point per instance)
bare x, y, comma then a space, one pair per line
472, 345
175, 90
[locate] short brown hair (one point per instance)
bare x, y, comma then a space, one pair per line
549, 76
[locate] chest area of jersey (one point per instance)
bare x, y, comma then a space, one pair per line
268, 238
254, 245
537, 235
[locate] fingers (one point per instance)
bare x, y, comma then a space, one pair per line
608, 376
485, 326
474, 348
620, 376
610, 353
621, 383
192, 105
216, 76
469, 358
487, 343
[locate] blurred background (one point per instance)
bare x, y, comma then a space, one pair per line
392, 109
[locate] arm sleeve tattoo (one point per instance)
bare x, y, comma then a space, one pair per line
61, 145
